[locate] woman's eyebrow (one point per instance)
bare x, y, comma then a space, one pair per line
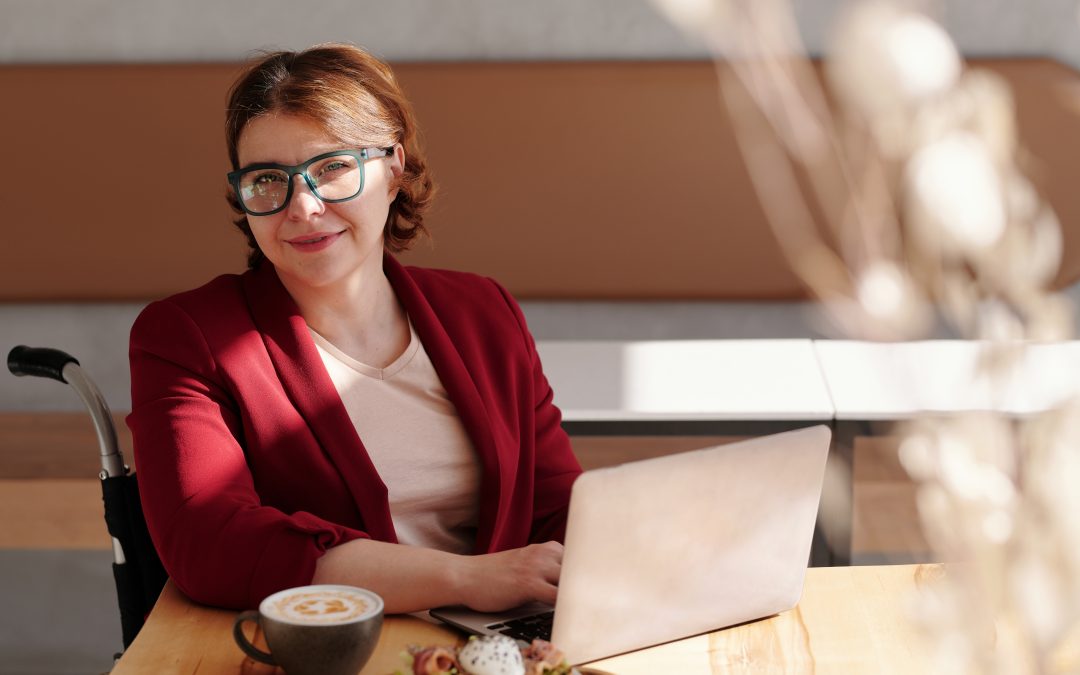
334, 148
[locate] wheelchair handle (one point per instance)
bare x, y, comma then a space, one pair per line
39, 362
63, 367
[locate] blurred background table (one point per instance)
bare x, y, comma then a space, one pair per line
875, 385
686, 387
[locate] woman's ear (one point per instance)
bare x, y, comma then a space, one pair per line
397, 169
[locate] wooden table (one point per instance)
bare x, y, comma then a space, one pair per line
850, 620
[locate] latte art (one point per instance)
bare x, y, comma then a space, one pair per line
318, 606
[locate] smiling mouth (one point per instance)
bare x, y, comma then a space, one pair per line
314, 239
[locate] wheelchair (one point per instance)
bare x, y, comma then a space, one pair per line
137, 569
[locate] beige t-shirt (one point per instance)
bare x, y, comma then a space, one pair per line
419, 446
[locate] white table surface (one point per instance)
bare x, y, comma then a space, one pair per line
696, 380
886, 381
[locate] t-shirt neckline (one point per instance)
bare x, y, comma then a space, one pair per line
386, 373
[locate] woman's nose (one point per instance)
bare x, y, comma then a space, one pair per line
304, 202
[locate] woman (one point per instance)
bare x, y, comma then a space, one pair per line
331, 416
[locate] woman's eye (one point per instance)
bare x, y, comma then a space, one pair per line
268, 179
336, 165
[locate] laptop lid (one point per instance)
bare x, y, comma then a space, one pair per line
665, 548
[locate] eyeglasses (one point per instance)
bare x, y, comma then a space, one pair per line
338, 176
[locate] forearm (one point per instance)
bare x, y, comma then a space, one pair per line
409, 578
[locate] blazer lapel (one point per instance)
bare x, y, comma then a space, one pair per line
305, 380
462, 389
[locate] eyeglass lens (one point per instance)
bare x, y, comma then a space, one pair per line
334, 179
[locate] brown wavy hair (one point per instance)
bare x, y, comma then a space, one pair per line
356, 99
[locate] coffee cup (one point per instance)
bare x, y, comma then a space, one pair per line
315, 630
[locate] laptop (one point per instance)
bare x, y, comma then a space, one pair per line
665, 548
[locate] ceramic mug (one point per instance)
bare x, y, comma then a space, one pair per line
315, 630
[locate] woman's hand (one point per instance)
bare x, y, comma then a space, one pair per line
411, 578
497, 581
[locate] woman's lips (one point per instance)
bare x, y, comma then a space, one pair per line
310, 243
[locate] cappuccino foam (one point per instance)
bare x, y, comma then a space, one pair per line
319, 606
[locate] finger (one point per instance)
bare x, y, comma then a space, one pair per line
547, 593
554, 546
557, 550
551, 572
551, 550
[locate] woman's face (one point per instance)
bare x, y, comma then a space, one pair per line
312, 243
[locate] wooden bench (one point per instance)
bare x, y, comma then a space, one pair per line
613, 180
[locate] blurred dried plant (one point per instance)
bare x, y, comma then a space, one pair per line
893, 182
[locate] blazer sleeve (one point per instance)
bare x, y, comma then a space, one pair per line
556, 466
218, 542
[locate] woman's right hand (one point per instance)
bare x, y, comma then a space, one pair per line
496, 581
412, 578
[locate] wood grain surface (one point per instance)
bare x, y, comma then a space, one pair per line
850, 620
52, 514
55, 445
182, 637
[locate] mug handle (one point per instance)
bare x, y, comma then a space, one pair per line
242, 641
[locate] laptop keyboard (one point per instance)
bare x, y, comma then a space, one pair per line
527, 628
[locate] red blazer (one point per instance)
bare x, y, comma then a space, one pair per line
250, 468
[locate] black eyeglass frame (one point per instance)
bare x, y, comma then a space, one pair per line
361, 155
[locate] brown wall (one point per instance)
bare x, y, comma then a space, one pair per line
563, 180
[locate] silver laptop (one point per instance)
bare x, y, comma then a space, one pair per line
675, 546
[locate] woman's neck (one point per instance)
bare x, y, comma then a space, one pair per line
360, 315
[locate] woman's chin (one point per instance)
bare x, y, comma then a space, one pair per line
322, 277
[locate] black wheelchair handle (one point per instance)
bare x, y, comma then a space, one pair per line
39, 362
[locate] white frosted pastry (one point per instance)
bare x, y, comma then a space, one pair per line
492, 655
